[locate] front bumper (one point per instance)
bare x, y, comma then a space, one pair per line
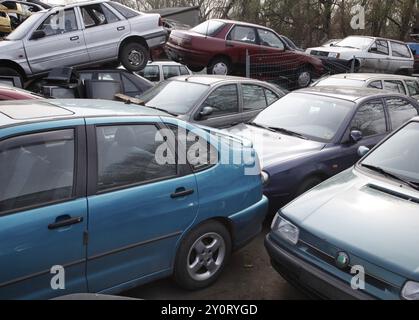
308, 278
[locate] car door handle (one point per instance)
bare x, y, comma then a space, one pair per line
74, 38
120, 28
182, 192
64, 221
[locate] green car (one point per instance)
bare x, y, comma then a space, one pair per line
356, 236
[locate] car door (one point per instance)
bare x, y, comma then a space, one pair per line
224, 102
138, 208
378, 58
400, 111
255, 99
63, 44
370, 118
401, 59
275, 60
103, 31
240, 42
396, 86
43, 210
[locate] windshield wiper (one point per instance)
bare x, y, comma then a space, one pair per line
392, 175
289, 132
254, 124
162, 110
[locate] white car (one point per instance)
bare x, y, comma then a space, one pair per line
162, 70
367, 54
395, 83
81, 34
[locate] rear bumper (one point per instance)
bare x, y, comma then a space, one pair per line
247, 224
309, 278
156, 39
186, 56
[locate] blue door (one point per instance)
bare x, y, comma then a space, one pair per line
138, 208
43, 212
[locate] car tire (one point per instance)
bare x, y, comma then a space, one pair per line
7, 71
134, 56
308, 184
220, 66
304, 77
195, 68
197, 266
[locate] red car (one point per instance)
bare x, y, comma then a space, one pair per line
12, 93
221, 46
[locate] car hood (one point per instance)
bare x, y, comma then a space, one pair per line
362, 215
10, 46
272, 147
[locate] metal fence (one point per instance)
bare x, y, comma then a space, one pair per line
293, 71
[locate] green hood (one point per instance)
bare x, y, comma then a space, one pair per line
349, 212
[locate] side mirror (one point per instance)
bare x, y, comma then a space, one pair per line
373, 49
356, 136
38, 34
362, 151
206, 111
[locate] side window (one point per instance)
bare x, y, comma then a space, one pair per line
184, 71
413, 87
394, 86
253, 97
400, 111
370, 119
376, 85
96, 15
129, 86
270, 97
380, 47
400, 50
224, 100
269, 39
36, 169
170, 72
151, 73
243, 34
109, 76
200, 154
127, 155
59, 23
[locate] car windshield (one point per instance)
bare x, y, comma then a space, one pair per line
209, 28
355, 42
315, 117
340, 82
177, 97
399, 155
25, 27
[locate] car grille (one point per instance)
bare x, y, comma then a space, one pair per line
330, 260
319, 53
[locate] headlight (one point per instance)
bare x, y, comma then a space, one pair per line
285, 229
265, 178
411, 291
334, 55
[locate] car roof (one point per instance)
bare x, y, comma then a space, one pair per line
353, 94
376, 38
211, 79
370, 76
22, 111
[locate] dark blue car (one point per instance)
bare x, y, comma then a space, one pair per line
314, 133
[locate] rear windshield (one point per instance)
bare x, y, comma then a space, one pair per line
177, 97
209, 28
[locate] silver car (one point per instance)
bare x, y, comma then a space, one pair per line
81, 34
368, 54
395, 83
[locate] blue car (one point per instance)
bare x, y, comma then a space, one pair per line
87, 206
313, 134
